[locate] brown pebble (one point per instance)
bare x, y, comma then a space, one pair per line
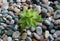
34, 39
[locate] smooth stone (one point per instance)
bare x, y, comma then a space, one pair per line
57, 39
57, 21
16, 34
1, 27
16, 10
51, 37
56, 34
12, 22
0, 15
36, 36
4, 37
32, 29
10, 32
47, 34
24, 36
1, 4
16, 40
52, 31
34, 39
18, 1
28, 39
3, 24
9, 39
1, 32
5, 6
16, 27
38, 8
1, 39
8, 16
57, 14
11, 13
23, 0
29, 33
47, 22
22, 40
39, 30
11, 1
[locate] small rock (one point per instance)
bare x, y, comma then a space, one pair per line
10, 32
39, 30
1, 4
24, 36
18, 1
16, 27
56, 34
32, 29
16, 40
36, 36
4, 37
28, 39
29, 33
52, 31
1, 39
47, 34
16, 34
34, 39
22, 40
9, 39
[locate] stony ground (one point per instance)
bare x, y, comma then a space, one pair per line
49, 30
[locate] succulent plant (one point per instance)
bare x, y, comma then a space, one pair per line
29, 17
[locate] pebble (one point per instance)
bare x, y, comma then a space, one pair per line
16, 34
56, 34
32, 29
24, 36
39, 30
47, 34
4, 37
28, 39
29, 33
22, 40
36, 36
34, 39
9, 39
1, 39
10, 32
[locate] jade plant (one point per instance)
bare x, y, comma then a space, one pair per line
29, 17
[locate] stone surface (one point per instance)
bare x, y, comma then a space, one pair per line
28, 39
24, 36
9, 39
39, 30
16, 34
36, 36
29, 33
